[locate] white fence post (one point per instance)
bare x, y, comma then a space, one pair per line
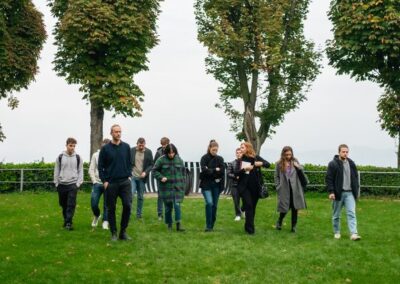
21, 182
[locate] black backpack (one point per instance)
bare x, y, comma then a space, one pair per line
78, 160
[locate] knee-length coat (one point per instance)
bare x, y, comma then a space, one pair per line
283, 189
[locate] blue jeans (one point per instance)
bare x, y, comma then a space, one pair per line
168, 211
349, 203
97, 191
139, 187
211, 196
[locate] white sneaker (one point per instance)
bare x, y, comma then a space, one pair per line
355, 237
337, 236
237, 218
105, 225
95, 221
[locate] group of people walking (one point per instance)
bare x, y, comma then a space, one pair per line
117, 170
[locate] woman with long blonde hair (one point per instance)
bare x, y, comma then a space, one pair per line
250, 182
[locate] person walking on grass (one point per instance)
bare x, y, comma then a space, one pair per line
233, 171
250, 182
68, 177
142, 163
169, 170
212, 182
160, 152
97, 190
115, 169
290, 191
343, 187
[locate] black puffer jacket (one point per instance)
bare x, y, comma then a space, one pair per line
334, 178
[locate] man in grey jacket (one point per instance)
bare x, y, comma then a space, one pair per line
68, 177
142, 163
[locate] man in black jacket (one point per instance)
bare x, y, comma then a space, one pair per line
142, 163
115, 169
343, 187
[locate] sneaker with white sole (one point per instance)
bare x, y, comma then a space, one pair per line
355, 237
95, 221
105, 225
237, 218
337, 236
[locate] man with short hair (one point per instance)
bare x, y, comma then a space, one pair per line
97, 190
160, 152
142, 163
68, 177
343, 187
115, 168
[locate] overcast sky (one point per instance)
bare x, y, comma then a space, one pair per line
179, 104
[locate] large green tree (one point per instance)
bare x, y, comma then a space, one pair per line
366, 40
258, 52
102, 44
389, 116
366, 45
22, 35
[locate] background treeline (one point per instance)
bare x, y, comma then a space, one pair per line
383, 181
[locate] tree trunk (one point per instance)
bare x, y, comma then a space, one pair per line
96, 126
249, 127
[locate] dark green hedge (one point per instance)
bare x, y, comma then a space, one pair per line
370, 177
10, 176
315, 173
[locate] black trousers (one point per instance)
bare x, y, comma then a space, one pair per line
294, 211
250, 199
67, 200
121, 189
236, 200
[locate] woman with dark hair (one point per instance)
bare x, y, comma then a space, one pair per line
288, 186
232, 173
250, 182
212, 182
169, 170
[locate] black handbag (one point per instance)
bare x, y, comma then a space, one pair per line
302, 177
263, 192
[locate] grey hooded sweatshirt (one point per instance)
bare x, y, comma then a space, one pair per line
68, 172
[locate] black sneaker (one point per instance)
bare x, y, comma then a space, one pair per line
123, 236
69, 227
114, 237
278, 225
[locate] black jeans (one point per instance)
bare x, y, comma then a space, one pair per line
121, 189
236, 200
67, 200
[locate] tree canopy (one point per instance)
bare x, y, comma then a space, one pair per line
258, 52
366, 43
101, 45
22, 35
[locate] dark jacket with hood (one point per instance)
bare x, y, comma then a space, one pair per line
334, 178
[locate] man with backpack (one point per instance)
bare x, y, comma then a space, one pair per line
68, 177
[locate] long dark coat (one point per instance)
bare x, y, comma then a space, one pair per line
283, 190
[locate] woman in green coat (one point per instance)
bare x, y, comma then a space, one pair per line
169, 170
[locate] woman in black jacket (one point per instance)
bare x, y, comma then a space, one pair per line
212, 182
250, 182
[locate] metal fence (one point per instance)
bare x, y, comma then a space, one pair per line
23, 178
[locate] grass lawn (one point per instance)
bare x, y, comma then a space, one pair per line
35, 249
